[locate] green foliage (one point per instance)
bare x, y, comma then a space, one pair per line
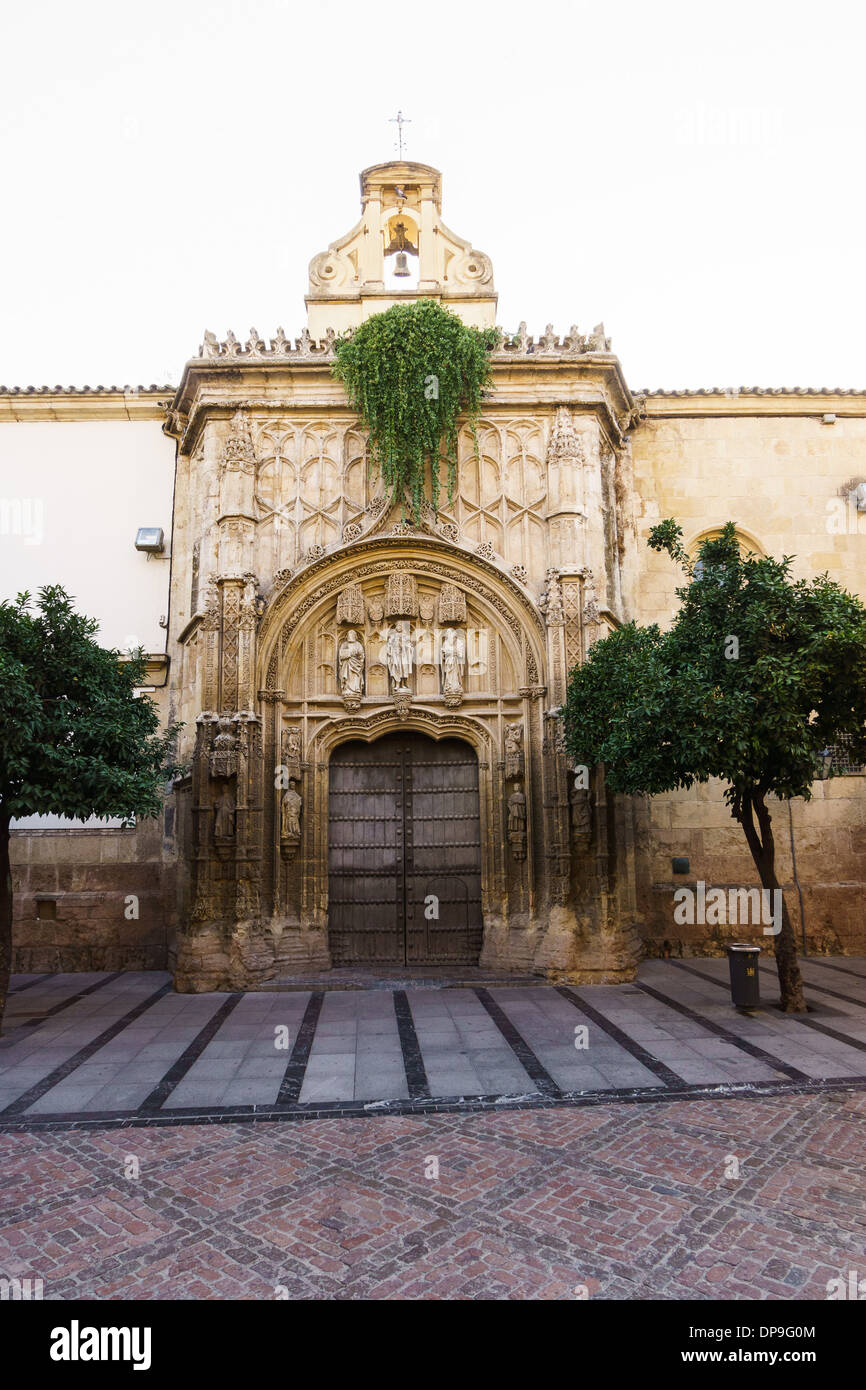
74, 739
668, 709
410, 373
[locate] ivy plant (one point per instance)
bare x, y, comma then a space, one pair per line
410, 373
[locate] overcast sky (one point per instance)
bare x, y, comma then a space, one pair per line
691, 174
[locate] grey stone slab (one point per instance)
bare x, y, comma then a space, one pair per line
62, 1099
261, 1066
195, 1093
213, 1068
251, 1090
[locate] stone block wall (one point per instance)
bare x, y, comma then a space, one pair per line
824, 880
71, 899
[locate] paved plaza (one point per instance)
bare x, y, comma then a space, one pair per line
455, 1144
754, 1197
126, 1049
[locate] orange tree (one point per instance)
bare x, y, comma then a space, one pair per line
756, 676
75, 740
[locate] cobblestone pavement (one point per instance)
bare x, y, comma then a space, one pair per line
614, 1201
123, 1049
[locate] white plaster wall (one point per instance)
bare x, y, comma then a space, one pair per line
72, 496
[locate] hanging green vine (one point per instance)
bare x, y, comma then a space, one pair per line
410, 372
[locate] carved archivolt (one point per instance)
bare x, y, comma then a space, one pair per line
384, 721
518, 612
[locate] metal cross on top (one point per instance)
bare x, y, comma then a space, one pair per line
399, 121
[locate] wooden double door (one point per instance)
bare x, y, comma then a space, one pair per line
404, 853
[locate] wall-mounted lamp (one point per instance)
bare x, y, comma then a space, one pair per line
150, 539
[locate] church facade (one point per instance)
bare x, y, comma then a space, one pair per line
370, 703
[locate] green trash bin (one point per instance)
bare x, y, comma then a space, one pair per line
745, 981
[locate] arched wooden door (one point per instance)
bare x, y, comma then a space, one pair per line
404, 853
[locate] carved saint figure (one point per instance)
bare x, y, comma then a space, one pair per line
292, 754
514, 749
453, 661
517, 823
581, 813
516, 810
351, 661
399, 656
224, 825
290, 814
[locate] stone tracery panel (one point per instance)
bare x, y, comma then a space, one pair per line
501, 494
311, 483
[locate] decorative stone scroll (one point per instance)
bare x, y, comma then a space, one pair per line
350, 606
401, 595
452, 605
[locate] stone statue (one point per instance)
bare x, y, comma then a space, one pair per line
290, 814
224, 752
517, 822
399, 656
292, 754
351, 666
224, 825
514, 749
581, 813
517, 809
453, 663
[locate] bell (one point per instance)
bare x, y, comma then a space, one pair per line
401, 265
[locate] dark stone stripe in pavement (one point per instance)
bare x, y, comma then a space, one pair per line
296, 1067
844, 969
178, 1070
60, 1073
822, 989
30, 1023
413, 1061
519, 1046
742, 1043
800, 1018
368, 1110
19, 989
640, 1054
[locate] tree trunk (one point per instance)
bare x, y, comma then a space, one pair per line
763, 848
5, 915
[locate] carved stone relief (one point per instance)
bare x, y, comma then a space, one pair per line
517, 822
453, 665
514, 750
350, 606
351, 663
